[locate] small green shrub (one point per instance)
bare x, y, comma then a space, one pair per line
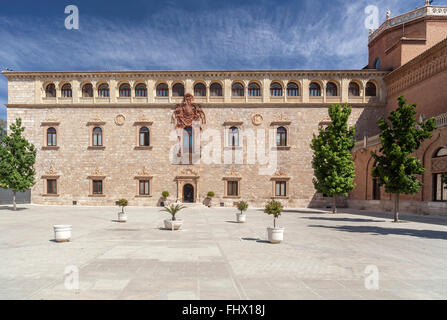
122, 203
165, 194
274, 208
242, 206
210, 194
173, 209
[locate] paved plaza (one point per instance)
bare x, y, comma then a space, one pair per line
323, 256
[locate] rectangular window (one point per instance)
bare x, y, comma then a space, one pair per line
232, 188
439, 187
51, 186
97, 186
144, 187
280, 189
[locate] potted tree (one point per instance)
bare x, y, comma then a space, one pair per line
209, 198
122, 216
242, 206
173, 223
275, 234
164, 198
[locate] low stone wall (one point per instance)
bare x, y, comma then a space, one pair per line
417, 207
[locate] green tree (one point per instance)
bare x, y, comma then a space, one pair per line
17, 158
332, 161
401, 136
273, 208
3, 126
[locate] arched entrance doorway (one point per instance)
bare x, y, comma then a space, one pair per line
188, 193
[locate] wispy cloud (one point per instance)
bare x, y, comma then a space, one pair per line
325, 35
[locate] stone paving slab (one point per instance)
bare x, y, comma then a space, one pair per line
323, 256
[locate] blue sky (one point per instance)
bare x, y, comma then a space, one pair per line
188, 35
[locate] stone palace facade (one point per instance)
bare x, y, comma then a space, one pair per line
244, 135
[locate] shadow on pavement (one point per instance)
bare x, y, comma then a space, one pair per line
343, 219
428, 234
10, 208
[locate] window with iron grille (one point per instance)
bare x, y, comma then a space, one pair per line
276, 89
103, 91
66, 91
162, 90
254, 90
292, 90
125, 90
215, 90
237, 90
314, 90
200, 90
141, 90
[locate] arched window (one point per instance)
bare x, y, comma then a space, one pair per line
276, 89
200, 90
375, 186
51, 137
281, 137
254, 90
103, 90
293, 90
97, 137
66, 91
314, 90
237, 89
141, 90
125, 90
440, 179
370, 89
377, 64
215, 90
331, 89
178, 90
50, 91
441, 153
233, 137
354, 89
144, 137
162, 90
87, 90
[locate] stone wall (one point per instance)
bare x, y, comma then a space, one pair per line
120, 162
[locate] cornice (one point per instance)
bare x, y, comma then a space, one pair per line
424, 66
82, 75
426, 12
171, 105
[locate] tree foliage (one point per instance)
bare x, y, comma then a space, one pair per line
17, 158
242, 206
332, 161
400, 137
